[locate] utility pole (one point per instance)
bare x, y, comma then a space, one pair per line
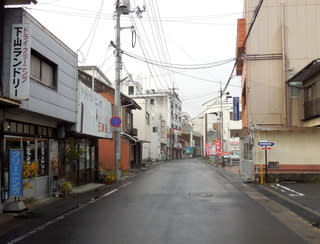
117, 104
221, 118
122, 7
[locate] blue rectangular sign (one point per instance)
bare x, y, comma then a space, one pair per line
15, 176
266, 143
236, 109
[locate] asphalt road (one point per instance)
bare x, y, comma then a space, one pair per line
177, 202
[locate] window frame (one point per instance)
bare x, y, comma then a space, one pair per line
43, 61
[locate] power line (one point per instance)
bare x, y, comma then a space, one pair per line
179, 66
243, 45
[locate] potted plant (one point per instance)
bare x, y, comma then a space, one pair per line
110, 178
28, 201
66, 188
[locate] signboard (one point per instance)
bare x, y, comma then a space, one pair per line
15, 176
218, 147
93, 114
266, 143
115, 121
207, 149
236, 109
20, 62
189, 150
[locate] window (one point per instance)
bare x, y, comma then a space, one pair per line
131, 90
129, 121
154, 129
152, 101
147, 118
43, 70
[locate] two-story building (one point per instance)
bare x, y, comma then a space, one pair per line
39, 74
130, 145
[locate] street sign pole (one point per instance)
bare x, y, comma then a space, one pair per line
266, 164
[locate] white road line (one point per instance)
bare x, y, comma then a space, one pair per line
110, 192
129, 183
295, 193
20, 238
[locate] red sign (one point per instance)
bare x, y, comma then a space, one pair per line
218, 148
207, 149
266, 148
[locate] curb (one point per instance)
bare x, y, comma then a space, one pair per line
310, 215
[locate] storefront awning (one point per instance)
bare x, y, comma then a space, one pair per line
129, 136
305, 74
6, 102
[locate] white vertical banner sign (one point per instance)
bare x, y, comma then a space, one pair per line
20, 62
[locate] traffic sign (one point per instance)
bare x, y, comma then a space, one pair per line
115, 121
266, 148
266, 143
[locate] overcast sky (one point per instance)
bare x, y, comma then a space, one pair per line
176, 32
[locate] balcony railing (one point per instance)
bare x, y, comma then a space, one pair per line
312, 109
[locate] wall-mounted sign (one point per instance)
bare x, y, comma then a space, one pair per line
94, 113
20, 62
236, 109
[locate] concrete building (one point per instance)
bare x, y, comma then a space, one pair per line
280, 88
159, 121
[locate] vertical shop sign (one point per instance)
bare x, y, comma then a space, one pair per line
218, 148
207, 147
20, 62
236, 109
42, 157
15, 177
28, 153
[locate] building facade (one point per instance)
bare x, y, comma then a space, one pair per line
159, 122
38, 103
279, 105
219, 126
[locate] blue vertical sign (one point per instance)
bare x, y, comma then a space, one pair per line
236, 109
15, 176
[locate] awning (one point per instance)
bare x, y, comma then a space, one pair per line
305, 74
129, 136
6, 102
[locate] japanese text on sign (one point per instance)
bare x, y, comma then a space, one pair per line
15, 172
20, 62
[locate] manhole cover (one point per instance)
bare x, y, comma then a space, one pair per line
205, 195
201, 194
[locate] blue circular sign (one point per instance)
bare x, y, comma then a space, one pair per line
115, 121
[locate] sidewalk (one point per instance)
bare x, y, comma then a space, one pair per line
301, 198
47, 209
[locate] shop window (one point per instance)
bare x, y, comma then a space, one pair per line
13, 127
32, 130
43, 70
26, 129
19, 128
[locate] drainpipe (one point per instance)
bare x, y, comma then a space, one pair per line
286, 102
